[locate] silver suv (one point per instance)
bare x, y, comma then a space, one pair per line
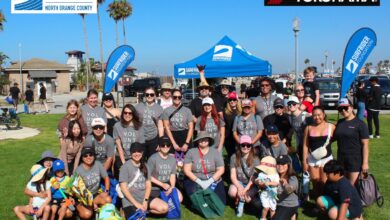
329, 91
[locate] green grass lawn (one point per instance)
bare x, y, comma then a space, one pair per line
17, 157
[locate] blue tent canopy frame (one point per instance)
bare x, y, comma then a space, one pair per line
225, 59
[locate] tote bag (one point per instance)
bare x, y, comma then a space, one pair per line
173, 204
207, 203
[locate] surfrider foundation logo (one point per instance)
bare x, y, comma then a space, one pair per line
53, 6
222, 53
322, 2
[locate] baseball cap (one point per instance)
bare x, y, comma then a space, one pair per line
164, 141
207, 100
283, 159
294, 99
344, 102
278, 102
246, 102
107, 96
232, 95
272, 129
58, 165
98, 121
88, 150
136, 147
245, 139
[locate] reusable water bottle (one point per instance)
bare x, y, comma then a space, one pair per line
306, 183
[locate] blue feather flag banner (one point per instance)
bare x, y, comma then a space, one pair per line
358, 49
117, 63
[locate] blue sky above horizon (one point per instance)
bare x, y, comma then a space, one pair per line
164, 33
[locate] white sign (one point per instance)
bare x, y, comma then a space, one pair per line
53, 6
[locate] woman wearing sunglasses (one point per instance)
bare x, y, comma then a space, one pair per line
204, 167
232, 109
113, 114
127, 131
248, 124
178, 123
162, 168
352, 136
134, 180
150, 114
242, 165
263, 104
92, 173
210, 122
317, 149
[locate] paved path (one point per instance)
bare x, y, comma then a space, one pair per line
22, 133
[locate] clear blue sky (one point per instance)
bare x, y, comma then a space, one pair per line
165, 32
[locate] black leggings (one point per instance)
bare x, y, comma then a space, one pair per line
373, 115
283, 212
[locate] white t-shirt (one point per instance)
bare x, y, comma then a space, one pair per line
270, 178
165, 103
37, 201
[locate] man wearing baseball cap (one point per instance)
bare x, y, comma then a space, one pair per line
273, 146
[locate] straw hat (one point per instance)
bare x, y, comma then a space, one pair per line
166, 86
267, 165
37, 172
204, 134
225, 82
204, 85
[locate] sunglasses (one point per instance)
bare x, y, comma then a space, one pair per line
264, 85
88, 155
165, 145
246, 145
224, 87
299, 90
177, 97
232, 100
149, 94
278, 107
100, 127
127, 113
342, 108
108, 100
290, 104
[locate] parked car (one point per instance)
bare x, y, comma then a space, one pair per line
139, 85
385, 87
188, 96
329, 91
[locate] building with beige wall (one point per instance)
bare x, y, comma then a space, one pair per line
53, 75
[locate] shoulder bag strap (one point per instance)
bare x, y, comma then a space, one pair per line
378, 198
174, 112
328, 138
137, 175
203, 165
243, 167
114, 117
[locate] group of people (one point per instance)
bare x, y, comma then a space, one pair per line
28, 98
160, 146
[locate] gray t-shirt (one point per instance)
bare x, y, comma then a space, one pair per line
104, 149
161, 168
180, 120
298, 123
93, 176
126, 174
128, 135
249, 170
212, 160
251, 126
149, 115
288, 200
264, 106
89, 114
274, 151
211, 128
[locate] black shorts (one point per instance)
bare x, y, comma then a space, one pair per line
180, 138
57, 201
351, 163
150, 147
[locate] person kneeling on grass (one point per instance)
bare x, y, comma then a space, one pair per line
59, 183
39, 205
340, 199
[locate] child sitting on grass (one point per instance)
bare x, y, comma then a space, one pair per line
39, 203
268, 179
341, 200
59, 182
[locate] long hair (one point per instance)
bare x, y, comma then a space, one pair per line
214, 115
249, 160
143, 167
70, 135
78, 113
136, 120
290, 171
229, 110
39, 184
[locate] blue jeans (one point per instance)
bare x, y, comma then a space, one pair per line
361, 108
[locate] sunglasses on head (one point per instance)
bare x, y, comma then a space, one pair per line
177, 97
149, 94
342, 108
246, 145
100, 127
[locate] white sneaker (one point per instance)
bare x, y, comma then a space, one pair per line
377, 136
371, 136
240, 209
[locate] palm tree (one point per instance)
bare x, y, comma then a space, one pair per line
126, 11
386, 63
380, 65
86, 49
307, 61
100, 2
2, 20
367, 67
114, 11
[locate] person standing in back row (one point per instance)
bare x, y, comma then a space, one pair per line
29, 98
311, 86
374, 106
14, 93
42, 98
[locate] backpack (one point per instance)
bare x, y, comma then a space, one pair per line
368, 190
109, 212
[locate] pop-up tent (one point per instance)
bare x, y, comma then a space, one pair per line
225, 59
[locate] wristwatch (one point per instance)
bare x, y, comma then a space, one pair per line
146, 199
187, 143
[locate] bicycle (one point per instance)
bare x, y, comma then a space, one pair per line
9, 118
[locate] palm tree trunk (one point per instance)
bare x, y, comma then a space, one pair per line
116, 33
124, 30
101, 45
86, 49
